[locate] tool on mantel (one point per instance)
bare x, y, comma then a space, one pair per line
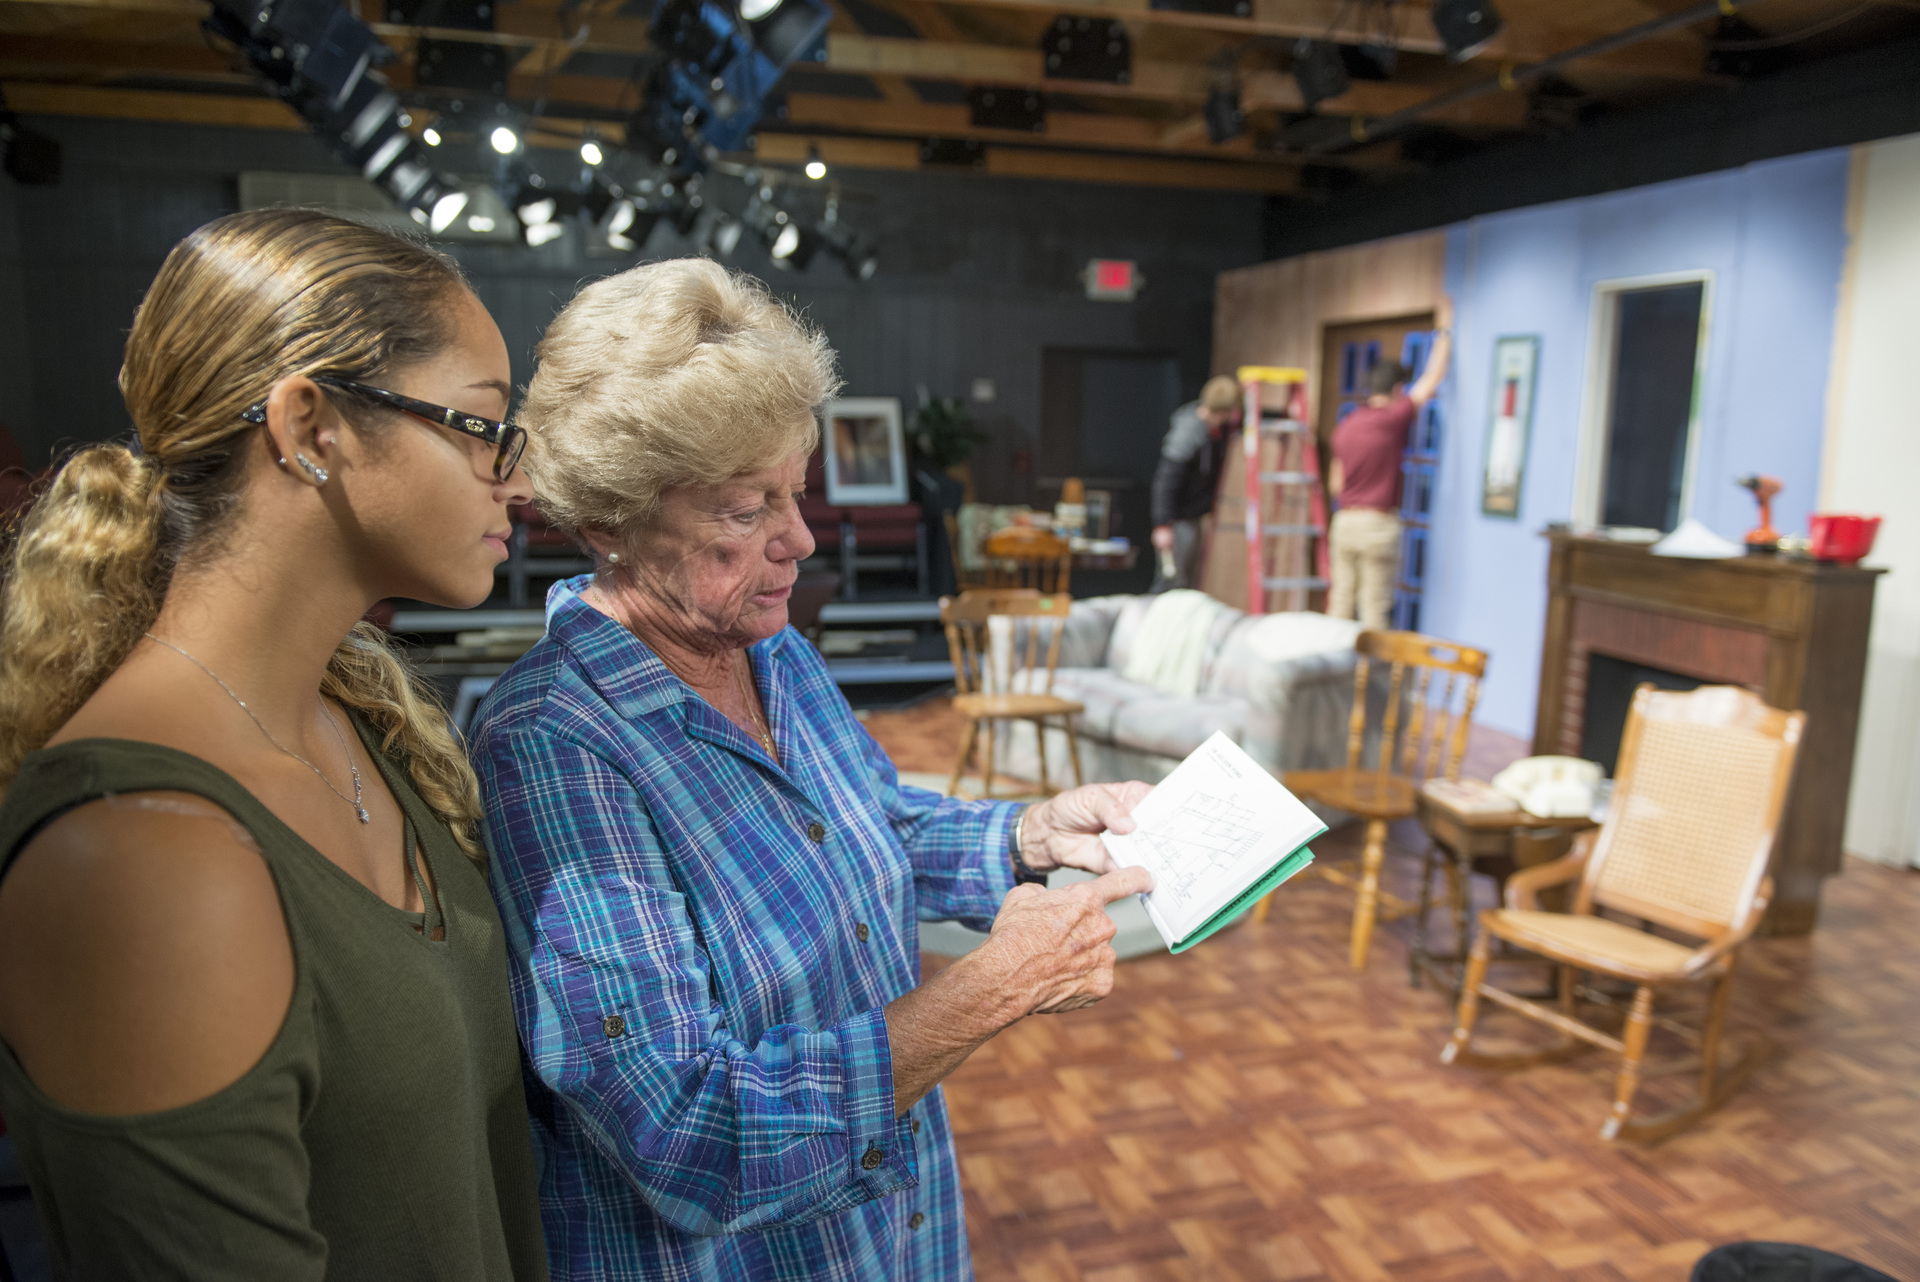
1762, 538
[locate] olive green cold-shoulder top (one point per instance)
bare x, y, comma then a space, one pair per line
384, 1133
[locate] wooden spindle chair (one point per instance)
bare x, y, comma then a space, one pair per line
1697, 795
1422, 734
1026, 557
1024, 692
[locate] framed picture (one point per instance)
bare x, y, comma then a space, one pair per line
1516, 358
866, 453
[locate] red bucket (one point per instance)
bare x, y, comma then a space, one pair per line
1842, 538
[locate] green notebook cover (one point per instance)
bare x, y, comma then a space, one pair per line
1282, 871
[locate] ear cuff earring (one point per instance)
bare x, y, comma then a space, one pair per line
318, 473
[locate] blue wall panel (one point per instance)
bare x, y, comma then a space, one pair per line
1773, 235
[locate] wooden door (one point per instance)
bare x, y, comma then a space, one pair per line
1347, 352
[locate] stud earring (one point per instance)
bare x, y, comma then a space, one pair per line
613, 558
318, 473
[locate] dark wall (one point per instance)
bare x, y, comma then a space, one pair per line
1849, 98
978, 275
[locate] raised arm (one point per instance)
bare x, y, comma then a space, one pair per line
1428, 384
144, 966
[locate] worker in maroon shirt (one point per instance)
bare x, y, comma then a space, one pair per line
1364, 540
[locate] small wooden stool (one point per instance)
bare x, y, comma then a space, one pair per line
1481, 832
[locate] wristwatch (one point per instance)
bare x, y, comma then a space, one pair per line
1022, 875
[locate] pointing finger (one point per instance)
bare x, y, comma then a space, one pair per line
1121, 883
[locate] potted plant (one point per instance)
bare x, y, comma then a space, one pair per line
945, 435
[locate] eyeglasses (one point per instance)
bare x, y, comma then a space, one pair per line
508, 440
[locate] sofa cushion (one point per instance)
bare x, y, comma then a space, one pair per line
1174, 725
1102, 690
1261, 651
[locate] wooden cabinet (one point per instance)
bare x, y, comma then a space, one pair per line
1794, 632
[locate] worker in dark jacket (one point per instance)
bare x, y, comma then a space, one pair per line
1189, 473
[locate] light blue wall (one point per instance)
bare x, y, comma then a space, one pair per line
1773, 235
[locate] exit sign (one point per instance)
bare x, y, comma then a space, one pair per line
1113, 279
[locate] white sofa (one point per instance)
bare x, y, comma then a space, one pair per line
1280, 684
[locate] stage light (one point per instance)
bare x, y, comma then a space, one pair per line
504, 140
430, 136
445, 210
619, 218
795, 247
1319, 70
726, 236
1225, 120
754, 10
1465, 26
816, 167
591, 153
539, 234
480, 222
537, 211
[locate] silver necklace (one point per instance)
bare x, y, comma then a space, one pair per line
359, 810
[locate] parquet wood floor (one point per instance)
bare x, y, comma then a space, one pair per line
1254, 1110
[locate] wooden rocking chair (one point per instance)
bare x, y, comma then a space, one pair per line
1701, 780
1428, 743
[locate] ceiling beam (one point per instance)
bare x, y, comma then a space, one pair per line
1020, 162
939, 120
151, 104
854, 153
1679, 56
1163, 81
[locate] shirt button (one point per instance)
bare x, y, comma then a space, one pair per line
872, 1158
613, 1026
916, 1126
816, 831
917, 1220
860, 932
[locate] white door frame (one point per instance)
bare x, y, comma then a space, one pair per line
1590, 467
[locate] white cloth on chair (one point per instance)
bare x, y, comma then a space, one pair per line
1170, 652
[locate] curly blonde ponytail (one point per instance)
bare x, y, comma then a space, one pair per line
84, 586
240, 304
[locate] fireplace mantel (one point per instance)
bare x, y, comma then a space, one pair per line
1794, 632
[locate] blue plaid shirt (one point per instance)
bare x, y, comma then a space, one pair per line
702, 943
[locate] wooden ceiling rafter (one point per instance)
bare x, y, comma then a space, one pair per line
39, 98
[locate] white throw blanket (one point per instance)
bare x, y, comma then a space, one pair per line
1171, 648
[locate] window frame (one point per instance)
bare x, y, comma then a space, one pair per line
1590, 468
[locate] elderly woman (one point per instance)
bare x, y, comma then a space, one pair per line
710, 874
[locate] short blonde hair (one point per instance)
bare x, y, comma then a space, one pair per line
1220, 393
668, 374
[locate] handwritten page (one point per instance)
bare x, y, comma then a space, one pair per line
1210, 831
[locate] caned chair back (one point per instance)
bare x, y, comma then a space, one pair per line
1432, 687
995, 638
1698, 789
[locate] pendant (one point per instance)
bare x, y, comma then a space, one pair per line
362, 812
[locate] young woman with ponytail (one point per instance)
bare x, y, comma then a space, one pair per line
253, 990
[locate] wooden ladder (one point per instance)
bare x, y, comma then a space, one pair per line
1286, 517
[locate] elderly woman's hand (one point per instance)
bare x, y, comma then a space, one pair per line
1064, 831
1051, 947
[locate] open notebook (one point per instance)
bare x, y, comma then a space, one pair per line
1217, 834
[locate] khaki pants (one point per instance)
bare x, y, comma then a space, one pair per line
1364, 547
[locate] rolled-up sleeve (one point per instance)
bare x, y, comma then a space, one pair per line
959, 849
616, 1001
